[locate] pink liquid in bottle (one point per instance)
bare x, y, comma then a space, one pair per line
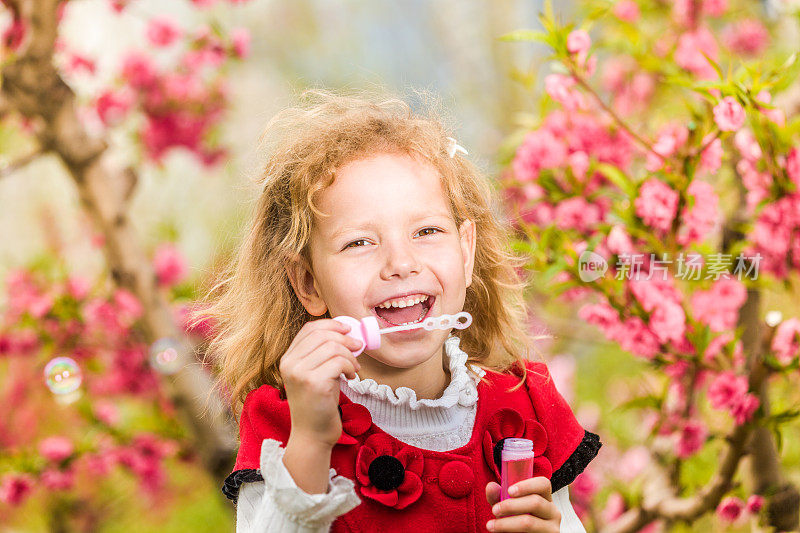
516, 463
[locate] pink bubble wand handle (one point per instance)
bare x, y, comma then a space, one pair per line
368, 331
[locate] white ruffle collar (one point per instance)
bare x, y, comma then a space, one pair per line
461, 390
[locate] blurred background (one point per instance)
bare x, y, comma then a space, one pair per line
103, 440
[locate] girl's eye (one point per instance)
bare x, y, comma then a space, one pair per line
354, 244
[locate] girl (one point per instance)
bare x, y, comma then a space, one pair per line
367, 210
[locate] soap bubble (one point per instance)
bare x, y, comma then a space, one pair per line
63, 376
165, 356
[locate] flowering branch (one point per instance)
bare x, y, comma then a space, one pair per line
33, 87
621, 123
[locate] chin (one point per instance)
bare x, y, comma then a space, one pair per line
408, 355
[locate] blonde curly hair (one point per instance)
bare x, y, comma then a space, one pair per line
254, 308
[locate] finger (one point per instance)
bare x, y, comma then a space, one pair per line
312, 326
313, 342
492, 492
524, 523
531, 504
536, 485
323, 353
335, 366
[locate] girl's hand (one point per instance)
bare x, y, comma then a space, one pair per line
310, 368
530, 507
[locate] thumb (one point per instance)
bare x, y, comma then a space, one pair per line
492, 493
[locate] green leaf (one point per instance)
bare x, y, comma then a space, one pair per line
525, 35
642, 402
618, 178
712, 63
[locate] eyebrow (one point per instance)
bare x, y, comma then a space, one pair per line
368, 224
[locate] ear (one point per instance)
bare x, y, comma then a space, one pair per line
468, 232
305, 286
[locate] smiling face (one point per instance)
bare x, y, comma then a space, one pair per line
390, 233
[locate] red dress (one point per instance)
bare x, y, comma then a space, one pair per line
404, 488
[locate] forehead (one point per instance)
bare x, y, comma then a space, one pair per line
380, 187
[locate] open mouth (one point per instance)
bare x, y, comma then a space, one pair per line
401, 316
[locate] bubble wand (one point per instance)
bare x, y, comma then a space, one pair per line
368, 331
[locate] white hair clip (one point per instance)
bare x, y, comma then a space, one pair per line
454, 147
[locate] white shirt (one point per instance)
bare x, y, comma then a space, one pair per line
445, 423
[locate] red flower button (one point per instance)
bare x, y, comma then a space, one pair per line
508, 423
455, 479
389, 472
356, 420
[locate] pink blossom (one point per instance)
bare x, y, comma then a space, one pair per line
162, 31
138, 70
540, 214
54, 479
578, 42
636, 460
579, 164
746, 37
757, 183
670, 138
716, 345
77, 62
603, 316
106, 412
690, 50
14, 488
657, 204
668, 321
40, 305
729, 391
615, 507
719, 306
793, 167
627, 10
540, 149
747, 145
772, 234
725, 390
240, 37
561, 89
202, 326
112, 106
204, 3
730, 509
635, 337
618, 241
702, 216
77, 287
128, 306
754, 504
786, 342
576, 213
169, 264
715, 8
711, 157
56, 449
585, 486
14, 35
744, 407
690, 439
729, 114
652, 292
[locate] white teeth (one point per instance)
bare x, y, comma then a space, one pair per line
403, 303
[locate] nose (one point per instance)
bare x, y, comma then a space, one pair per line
400, 259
